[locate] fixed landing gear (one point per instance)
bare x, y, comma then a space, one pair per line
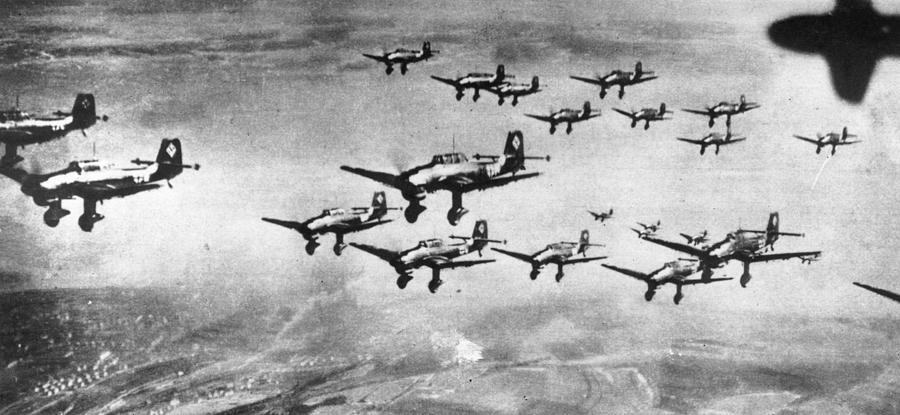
402, 280
602, 93
621, 92
647, 125
833, 149
311, 246
389, 70
702, 150
54, 214
339, 244
818, 149
457, 211
717, 150
436, 281
728, 121
534, 274
403, 69
568, 128
501, 101
678, 295
90, 216
515, 101
633, 123
459, 95
552, 128
476, 96
413, 211
712, 122
559, 273
745, 277
649, 294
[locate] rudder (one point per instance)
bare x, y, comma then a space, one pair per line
379, 204
84, 111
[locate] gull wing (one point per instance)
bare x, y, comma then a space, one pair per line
706, 281
732, 141
457, 264
297, 226
633, 274
643, 79
588, 80
495, 182
516, 255
378, 58
879, 291
625, 113
580, 260
690, 250
698, 112
776, 257
385, 178
544, 118
384, 254
451, 82
688, 140
808, 140
108, 190
844, 143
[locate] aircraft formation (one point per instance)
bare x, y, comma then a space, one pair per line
94, 181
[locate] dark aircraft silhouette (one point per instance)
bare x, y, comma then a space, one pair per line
851, 38
879, 291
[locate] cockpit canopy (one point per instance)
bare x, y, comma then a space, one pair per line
88, 165
431, 243
449, 158
333, 212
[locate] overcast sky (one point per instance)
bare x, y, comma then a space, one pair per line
271, 97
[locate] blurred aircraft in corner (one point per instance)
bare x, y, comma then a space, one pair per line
620, 78
567, 116
435, 254
454, 172
560, 253
403, 57
831, 139
851, 38
673, 272
19, 128
879, 291
95, 180
339, 222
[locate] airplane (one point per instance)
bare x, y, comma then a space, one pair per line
509, 89
673, 272
567, 116
403, 57
746, 246
714, 139
453, 172
339, 222
696, 239
830, 139
476, 81
435, 254
884, 293
808, 260
852, 38
620, 78
95, 181
728, 109
602, 216
19, 128
648, 230
559, 253
646, 115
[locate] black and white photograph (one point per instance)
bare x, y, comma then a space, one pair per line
449, 207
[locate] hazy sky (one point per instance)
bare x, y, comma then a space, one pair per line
271, 97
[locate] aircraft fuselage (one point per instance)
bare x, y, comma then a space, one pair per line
429, 251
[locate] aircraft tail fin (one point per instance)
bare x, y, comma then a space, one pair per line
844, 134
535, 83
379, 204
638, 69
772, 229
501, 72
584, 241
84, 112
426, 47
514, 151
479, 235
586, 109
662, 108
169, 159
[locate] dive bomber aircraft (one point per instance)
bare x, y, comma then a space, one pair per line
620, 78
567, 116
830, 139
339, 222
673, 272
559, 253
435, 254
476, 81
19, 128
454, 173
95, 181
725, 108
602, 216
509, 89
646, 115
746, 246
714, 139
403, 57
